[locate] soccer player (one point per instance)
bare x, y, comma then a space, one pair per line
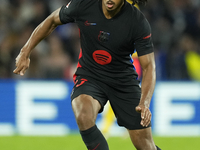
110, 31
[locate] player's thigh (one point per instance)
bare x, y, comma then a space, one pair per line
87, 101
142, 139
87, 97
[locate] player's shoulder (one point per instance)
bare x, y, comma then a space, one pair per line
77, 6
82, 2
84, 5
137, 14
88, 2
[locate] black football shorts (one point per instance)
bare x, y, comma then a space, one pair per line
122, 100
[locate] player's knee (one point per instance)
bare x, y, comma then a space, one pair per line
85, 120
85, 111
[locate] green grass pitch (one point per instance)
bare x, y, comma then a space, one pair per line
74, 142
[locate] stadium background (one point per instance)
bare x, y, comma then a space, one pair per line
35, 110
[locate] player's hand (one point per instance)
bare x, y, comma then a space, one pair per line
22, 64
145, 115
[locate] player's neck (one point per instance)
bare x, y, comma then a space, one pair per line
111, 13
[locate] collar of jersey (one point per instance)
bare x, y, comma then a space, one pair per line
117, 15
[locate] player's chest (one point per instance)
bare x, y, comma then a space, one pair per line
115, 32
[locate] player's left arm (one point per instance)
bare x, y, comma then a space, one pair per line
147, 63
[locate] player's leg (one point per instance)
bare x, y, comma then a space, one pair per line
88, 99
86, 109
142, 139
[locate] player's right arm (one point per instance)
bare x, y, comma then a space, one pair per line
41, 31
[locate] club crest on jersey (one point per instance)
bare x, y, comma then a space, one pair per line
102, 57
103, 36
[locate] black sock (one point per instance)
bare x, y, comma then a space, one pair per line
158, 148
94, 139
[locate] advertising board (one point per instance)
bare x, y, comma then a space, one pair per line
43, 108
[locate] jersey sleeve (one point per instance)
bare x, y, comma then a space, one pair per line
143, 40
69, 13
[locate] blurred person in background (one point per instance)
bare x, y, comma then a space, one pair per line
170, 21
55, 61
105, 66
192, 56
14, 33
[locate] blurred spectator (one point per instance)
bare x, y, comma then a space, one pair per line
56, 61
171, 21
175, 31
192, 56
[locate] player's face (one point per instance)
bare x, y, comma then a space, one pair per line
112, 5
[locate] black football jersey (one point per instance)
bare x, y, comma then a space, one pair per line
107, 44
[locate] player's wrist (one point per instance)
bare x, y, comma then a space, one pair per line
144, 103
25, 53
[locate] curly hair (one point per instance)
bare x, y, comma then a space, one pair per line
139, 2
